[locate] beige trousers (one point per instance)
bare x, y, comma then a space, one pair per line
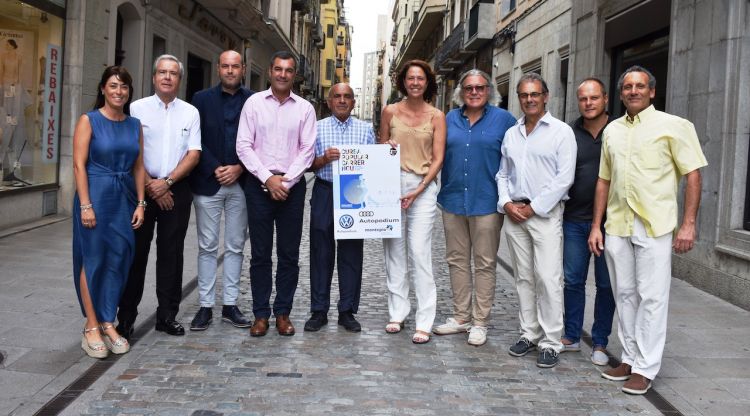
476, 237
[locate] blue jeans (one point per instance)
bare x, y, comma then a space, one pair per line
576, 256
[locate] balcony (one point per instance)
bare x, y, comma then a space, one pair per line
317, 36
302, 67
339, 63
450, 55
429, 16
339, 40
481, 24
302, 6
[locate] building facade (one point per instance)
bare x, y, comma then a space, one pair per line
696, 50
63, 47
369, 85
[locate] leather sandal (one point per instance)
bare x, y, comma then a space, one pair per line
93, 349
118, 346
394, 327
420, 337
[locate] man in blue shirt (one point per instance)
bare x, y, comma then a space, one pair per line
339, 129
217, 186
468, 199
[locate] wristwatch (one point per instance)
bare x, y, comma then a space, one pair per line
169, 181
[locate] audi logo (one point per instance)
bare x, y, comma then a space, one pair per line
346, 221
366, 213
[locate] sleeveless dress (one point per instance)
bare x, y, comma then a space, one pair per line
106, 251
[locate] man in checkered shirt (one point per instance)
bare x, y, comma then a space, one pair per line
337, 130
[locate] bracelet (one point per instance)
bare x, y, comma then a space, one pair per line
141, 203
86, 207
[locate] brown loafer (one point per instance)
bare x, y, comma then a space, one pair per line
619, 373
259, 328
637, 384
284, 325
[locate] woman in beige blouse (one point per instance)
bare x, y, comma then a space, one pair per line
418, 128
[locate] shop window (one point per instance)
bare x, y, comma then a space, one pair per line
30, 85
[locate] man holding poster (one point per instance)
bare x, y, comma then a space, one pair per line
340, 129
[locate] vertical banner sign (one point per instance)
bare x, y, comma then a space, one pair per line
51, 100
366, 192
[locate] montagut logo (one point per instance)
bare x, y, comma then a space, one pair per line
346, 221
366, 213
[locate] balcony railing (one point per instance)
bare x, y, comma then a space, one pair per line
450, 45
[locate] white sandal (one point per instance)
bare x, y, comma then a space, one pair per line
394, 327
93, 349
119, 346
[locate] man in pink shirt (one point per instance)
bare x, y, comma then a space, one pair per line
275, 142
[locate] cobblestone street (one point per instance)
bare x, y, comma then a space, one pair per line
223, 371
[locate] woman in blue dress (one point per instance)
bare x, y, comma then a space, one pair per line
109, 204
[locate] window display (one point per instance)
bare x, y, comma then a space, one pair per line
30, 75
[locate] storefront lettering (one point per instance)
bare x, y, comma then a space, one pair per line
51, 109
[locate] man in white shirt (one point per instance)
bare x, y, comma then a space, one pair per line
171, 149
536, 169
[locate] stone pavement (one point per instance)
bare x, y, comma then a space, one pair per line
223, 371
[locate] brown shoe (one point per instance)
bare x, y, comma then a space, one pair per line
284, 325
637, 384
619, 373
259, 328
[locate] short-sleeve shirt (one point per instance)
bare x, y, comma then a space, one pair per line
644, 159
169, 132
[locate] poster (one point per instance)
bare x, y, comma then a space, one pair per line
366, 192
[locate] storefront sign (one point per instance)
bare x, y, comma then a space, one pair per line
366, 192
51, 100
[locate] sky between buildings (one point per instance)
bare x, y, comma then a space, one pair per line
363, 16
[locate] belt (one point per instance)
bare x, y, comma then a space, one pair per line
522, 201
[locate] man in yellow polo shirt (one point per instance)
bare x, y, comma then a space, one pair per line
644, 155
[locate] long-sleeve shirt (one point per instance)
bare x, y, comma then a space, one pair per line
332, 133
220, 117
539, 166
472, 158
169, 132
276, 137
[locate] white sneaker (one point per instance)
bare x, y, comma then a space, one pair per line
451, 326
477, 335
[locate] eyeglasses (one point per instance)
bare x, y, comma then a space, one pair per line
471, 88
534, 95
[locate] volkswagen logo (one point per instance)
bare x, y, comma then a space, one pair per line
346, 221
366, 213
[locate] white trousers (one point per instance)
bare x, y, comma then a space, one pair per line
415, 245
640, 269
536, 247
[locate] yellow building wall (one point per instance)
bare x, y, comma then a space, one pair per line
328, 16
